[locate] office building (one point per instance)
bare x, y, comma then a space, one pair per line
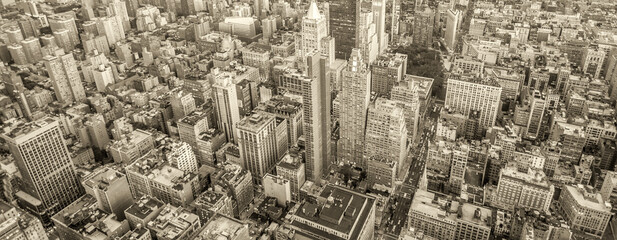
32, 49
44, 162
65, 78
379, 18
131, 146
423, 24
152, 176
585, 210
239, 183
481, 95
111, 190
277, 187
18, 54
245, 27
343, 16
291, 168
257, 142
445, 219
191, 126
386, 133
103, 76
452, 26
354, 101
180, 155
182, 103
313, 35
367, 40
537, 108
406, 95
226, 101
339, 214
529, 189
386, 72
288, 109
316, 118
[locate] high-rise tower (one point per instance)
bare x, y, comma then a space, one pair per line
316, 125
44, 162
65, 78
354, 100
343, 18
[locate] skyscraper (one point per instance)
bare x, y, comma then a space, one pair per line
257, 144
65, 78
316, 114
314, 34
423, 27
226, 100
538, 105
65, 21
467, 95
386, 72
379, 18
386, 132
367, 40
451, 27
343, 17
44, 162
354, 102
406, 95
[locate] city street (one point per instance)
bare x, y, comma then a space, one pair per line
400, 202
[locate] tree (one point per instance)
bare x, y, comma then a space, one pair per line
425, 62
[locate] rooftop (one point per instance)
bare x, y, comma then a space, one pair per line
344, 211
255, 122
102, 178
172, 222
450, 211
19, 128
144, 207
83, 216
223, 227
587, 197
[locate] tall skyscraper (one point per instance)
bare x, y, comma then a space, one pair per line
406, 95
65, 21
386, 132
452, 28
257, 144
343, 22
32, 49
314, 35
316, 100
44, 162
379, 18
354, 100
537, 107
423, 27
468, 95
65, 78
386, 72
226, 100
367, 40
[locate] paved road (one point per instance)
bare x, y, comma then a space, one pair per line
393, 223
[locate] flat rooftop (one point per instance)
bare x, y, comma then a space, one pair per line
344, 211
